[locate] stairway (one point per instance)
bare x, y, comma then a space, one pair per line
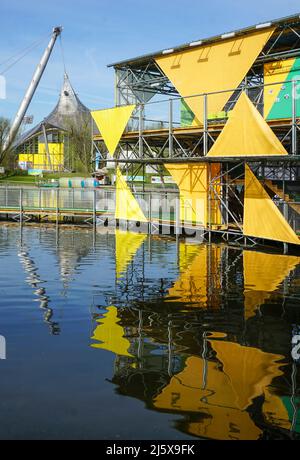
284, 196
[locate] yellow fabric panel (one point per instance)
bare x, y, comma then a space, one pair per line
186, 393
56, 152
216, 217
249, 370
26, 157
111, 124
262, 218
127, 244
263, 273
276, 71
40, 160
246, 133
216, 67
111, 334
127, 207
192, 181
275, 411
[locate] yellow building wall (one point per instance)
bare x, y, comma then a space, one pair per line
40, 160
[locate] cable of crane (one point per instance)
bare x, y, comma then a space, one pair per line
62, 53
20, 56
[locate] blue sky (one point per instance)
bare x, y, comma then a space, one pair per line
97, 33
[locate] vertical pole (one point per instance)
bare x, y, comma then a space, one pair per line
57, 207
205, 125
94, 209
73, 199
150, 212
141, 131
21, 205
286, 216
170, 358
294, 117
209, 202
177, 215
170, 128
40, 202
227, 201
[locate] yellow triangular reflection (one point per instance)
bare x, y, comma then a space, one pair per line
111, 124
263, 273
127, 244
246, 134
111, 334
262, 218
203, 388
127, 207
275, 411
249, 370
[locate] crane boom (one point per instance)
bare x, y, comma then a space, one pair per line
31, 89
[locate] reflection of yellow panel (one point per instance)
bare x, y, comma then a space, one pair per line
246, 134
216, 67
275, 411
215, 399
111, 334
127, 244
263, 274
249, 370
224, 424
127, 207
191, 287
111, 124
192, 181
262, 218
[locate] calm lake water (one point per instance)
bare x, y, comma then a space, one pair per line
127, 336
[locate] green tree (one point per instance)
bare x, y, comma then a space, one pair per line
78, 155
5, 155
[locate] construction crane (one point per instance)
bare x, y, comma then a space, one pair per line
31, 89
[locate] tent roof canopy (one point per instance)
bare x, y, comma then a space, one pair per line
290, 20
68, 107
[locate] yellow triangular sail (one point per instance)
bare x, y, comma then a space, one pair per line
216, 67
262, 218
111, 124
127, 208
263, 273
127, 244
111, 334
246, 133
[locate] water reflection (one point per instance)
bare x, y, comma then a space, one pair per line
202, 332
226, 383
36, 283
